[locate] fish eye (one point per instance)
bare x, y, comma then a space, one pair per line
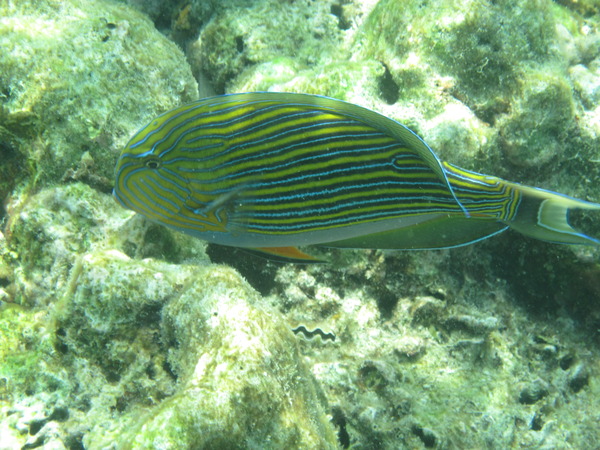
153, 164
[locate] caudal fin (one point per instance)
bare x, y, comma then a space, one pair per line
545, 215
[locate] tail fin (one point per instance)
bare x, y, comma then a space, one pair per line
545, 215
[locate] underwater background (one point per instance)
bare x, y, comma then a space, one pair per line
119, 333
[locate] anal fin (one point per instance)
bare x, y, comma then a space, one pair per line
445, 231
284, 254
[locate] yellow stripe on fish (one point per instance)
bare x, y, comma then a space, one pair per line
271, 171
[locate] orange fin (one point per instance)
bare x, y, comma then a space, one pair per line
285, 254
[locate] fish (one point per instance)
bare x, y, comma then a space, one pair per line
270, 172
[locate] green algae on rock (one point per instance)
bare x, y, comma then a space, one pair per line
88, 73
343, 80
242, 380
52, 229
536, 133
453, 367
101, 346
236, 374
249, 34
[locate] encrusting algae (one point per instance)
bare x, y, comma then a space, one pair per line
115, 331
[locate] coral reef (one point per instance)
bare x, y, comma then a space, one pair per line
78, 77
267, 30
432, 352
154, 342
240, 371
118, 332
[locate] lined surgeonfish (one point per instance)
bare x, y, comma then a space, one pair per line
272, 171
